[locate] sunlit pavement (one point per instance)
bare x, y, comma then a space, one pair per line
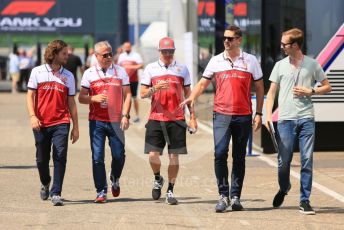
21, 207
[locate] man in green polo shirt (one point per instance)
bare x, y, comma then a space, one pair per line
295, 77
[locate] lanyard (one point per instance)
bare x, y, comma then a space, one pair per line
106, 86
243, 66
102, 78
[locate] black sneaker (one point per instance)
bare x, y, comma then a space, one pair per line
236, 205
170, 199
306, 208
279, 198
156, 191
44, 192
223, 204
56, 200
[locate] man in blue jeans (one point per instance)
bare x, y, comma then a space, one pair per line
51, 104
295, 76
233, 71
105, 87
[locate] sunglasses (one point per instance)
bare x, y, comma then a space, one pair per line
167, 52
230, 39
107, 55
283, 45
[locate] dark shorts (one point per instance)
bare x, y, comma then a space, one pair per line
133, 88
158, 133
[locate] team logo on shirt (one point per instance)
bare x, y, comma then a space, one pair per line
168, 80
64, 79
178, 69
224, 76
53, 87
163, 81
114, 83
99, 84
235, 75
231, 75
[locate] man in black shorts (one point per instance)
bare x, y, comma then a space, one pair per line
167, 82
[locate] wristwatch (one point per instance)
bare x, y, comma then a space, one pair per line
313, 91
258, 113
126, 115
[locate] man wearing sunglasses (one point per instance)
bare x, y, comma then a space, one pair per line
295, 77
105, 87
233, 71
167, 82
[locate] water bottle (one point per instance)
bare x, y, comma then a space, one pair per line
191, 130
104, 103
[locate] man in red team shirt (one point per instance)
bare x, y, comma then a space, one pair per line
132, 62
105, 87
167, 82
233, 71
51, 104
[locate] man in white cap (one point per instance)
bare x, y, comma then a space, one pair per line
167, 83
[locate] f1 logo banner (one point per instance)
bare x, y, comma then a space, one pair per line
38, 8
46, 16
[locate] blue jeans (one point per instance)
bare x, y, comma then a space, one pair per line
99, 130
225, 126
289, 131
56, 136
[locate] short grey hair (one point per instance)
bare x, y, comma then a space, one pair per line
100, 45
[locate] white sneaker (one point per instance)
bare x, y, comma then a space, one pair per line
170, 199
